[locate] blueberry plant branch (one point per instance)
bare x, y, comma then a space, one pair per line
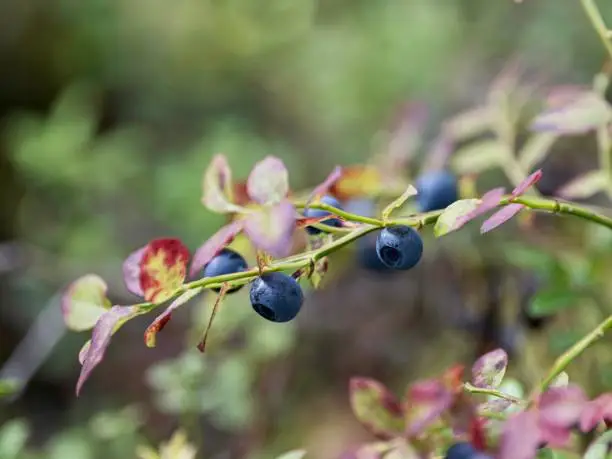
493, 392
597, 21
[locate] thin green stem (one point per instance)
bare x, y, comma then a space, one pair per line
568, 356
592, 11
493, 392
341, 213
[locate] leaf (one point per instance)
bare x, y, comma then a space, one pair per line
596, 411
584, 186
131, 272
268, 182
217, 187
579, 114
163, 268
535, 149
323, 188
560, 408
489, 370
84, 301
522, 187
469, 124
424, 403
560, 381
295, 454
160, 321
548, 302
376, 408
224, 289
489, 201
214, 245
357, 181
447, 220
478, 157
8, 386
318, 273
271, 228
500, 217
110, 321
598, 449
13, 438
399, 202
521, 436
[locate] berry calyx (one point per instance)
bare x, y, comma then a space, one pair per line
399, 247
436, 190
317, 213
225, 262
276, 297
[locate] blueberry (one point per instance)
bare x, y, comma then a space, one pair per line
399, 247
436, 190
464, 450
276, 297
226, 262
367, 255
316, 213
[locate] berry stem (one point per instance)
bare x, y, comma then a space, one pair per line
340, 213
568, 356
594, 15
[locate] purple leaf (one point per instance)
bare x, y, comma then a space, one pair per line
578, 114
324, 187
268, 182
424, 403
101, 336
160, 321
214, 245
84, 301
376, 408
489, 370
131, 271
596, 411
521, 437
527, 183
489, 201
561, 407
271, 228
500, 217
217, 187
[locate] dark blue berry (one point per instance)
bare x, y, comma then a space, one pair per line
276, 297
461, 450
436, 190
316, 213
399, 247
226, 262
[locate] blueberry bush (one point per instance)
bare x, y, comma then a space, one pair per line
464, 412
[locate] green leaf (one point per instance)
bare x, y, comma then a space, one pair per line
399, 202
13, 437
585, 185
469, 124
446, 221
479, 157
376, 408
599, 448
548, 302
8, 387
561, 380
84, 302
295, 454
535, 149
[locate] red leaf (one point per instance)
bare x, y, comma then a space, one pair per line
271, 228
527, 183
357, 181
214, 245
131, 272
328, 183
561, 406
268, 182
500, 217
489, 201
100, 339
375, 407
425, 402
521, 436
302, 222
160, 322
596, 411
477, 434
163, 268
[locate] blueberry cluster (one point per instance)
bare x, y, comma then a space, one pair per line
465, 450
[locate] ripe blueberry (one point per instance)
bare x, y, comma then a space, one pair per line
226, 262
464, 450
316, 213
399, 247
436, 190
276, 297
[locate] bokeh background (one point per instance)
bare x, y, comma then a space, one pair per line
110, 111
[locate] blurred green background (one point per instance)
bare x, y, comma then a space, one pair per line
111, 110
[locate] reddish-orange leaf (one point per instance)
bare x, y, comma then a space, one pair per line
357, 181
163, 268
